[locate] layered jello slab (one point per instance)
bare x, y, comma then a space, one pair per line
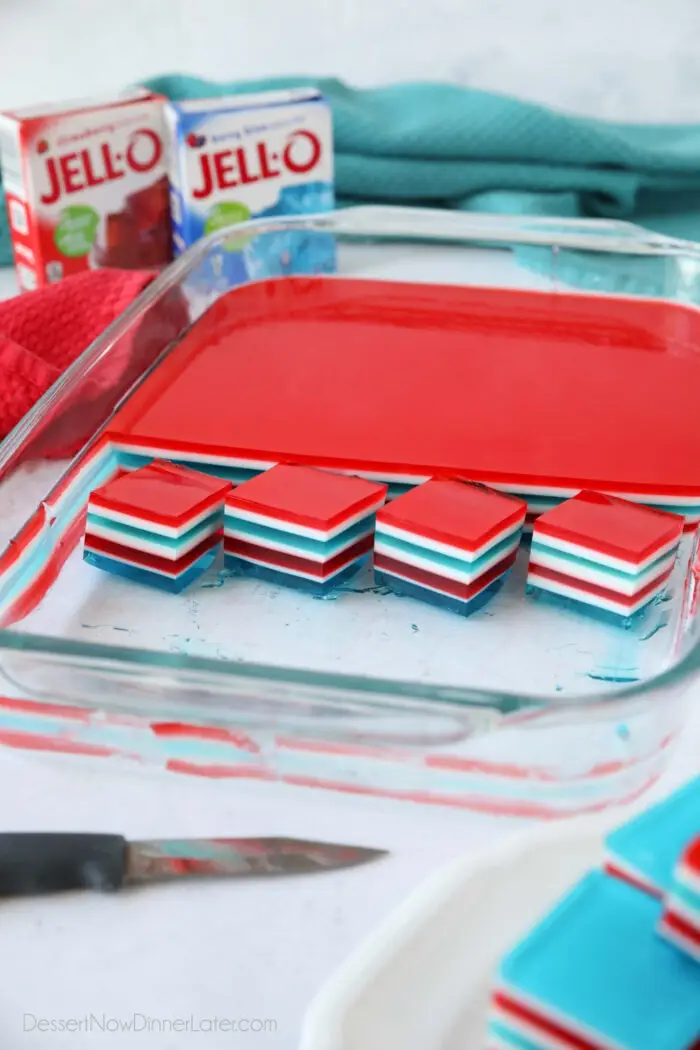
645, 850
680, 923
603, 553
541, 395
300, 526
448, 542
158, 525
595, 975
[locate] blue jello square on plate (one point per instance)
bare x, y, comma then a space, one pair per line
597, 968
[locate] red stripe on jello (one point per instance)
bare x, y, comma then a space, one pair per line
682, 927
625, 876
593, 588
281, 560
530, 1016
454, 588
150, 561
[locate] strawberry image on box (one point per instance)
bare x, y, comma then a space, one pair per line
86, 186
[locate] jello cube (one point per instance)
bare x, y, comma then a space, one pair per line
594, 975
159, 525
644, 851
448, 542
605, 555
680, 922
301, 527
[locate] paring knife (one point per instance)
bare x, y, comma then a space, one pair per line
47, 863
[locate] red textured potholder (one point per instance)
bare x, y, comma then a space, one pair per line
43, 332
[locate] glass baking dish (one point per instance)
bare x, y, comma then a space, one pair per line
539, 715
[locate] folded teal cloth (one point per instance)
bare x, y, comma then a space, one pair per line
455, 147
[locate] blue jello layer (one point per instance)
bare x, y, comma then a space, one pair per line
409, 589
653, 841
173, 585
594, 611
288, 579
130, 535
264, 535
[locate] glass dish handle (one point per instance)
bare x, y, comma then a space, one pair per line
424, 224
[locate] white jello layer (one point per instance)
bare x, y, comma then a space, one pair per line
458, 570
688, 876
150, 544
684, 944
135, 522
385, 528
538, 1036
234, 511
579, 550
288, 570
613, 581
683, 910
569, 591
301, 546
124, 559
397, 574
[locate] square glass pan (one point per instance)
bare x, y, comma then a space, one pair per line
550, 711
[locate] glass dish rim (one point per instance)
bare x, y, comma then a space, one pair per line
364, 224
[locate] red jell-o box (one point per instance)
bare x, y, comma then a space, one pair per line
86, 186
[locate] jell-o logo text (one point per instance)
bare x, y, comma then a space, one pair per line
78, 170
224, 169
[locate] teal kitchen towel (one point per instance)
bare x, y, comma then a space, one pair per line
456, 147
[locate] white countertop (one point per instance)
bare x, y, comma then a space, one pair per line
87, 971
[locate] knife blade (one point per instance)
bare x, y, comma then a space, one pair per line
35, 863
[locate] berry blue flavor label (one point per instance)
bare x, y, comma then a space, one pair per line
246, 157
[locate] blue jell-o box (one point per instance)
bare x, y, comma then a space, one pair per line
252, 156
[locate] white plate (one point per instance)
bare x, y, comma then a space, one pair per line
421, 982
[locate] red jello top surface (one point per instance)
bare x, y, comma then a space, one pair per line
613, 526
454, 512
306, 496
161, 492
498, 385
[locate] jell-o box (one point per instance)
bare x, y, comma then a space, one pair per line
86, 186
448, 542
596, 975
159, 525
301, 527
603, 555
243, 157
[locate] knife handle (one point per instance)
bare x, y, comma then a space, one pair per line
47, 863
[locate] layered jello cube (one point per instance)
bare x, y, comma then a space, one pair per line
301, 527
159, 525
680, 922
448, 542
606, 555
595, 975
